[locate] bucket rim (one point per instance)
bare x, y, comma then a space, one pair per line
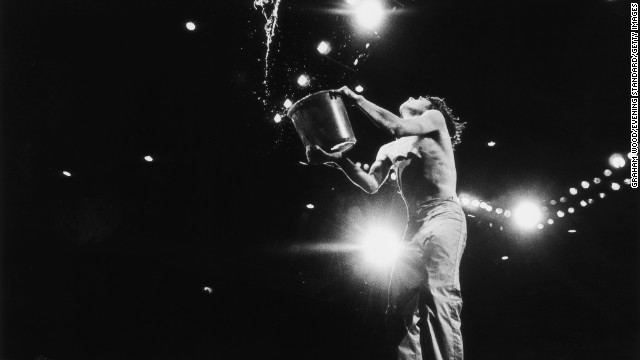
299, 103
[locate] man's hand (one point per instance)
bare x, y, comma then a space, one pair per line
316, 155
348, 96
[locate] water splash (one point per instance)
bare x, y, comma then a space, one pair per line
269, 10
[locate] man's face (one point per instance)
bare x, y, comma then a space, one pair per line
413, 107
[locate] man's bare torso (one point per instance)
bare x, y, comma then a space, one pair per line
425, 167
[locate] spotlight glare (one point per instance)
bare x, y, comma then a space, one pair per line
287, 103
191, 26
571, 210
507, 213
66, 173
359, 89
483, 205
550, 221
553, 202
627, 181
590, 201
629, 155
303, 80
310, 206
148, 158
369, 14
585, 184
583, 203
505, 258
464, 200
563, 199
573, 191
324, 48
602, 195
540, 226
475, 203
527, 214
381, 246
571, 231
277, 118
596, 180
498, 211
491, 143
615, 186
607, 172
560, 213
394, 176
207, 289
488, 208
617, 161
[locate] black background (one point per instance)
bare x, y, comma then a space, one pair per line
111, 262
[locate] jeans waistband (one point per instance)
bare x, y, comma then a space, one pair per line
422, 208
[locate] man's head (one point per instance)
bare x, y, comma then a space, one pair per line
416, 107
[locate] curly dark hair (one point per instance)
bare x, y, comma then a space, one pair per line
454, 125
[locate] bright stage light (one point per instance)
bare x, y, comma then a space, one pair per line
465, 200
191, 26
585, 184
590, 201
563, 199
617, 161
627, 181
475, 203
540, 226
324, 48
148, 158
602, 195
615, 186
553, 202
483, 205
629, 155
359, 89
393, 175
505, 258
304, 80
369, 14
277, 118
607, 172
488, 207
573, 191
365, 167
207, 289
527, 214
498, 211
583, 203
491, 143
596, 180
287, 104
310, 206
571, 210
381, 246
560, 213
571, 231
550, 221
66, 173
507, 213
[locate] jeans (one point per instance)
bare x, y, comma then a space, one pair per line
423, 313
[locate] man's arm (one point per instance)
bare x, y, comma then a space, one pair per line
369, 182
429, 121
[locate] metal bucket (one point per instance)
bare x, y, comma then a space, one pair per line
321, 119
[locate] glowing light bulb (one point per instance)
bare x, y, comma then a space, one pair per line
527, 214
191, 26
615, 186
573, 191
66, 173
394, 176
550, 221
303, 80
607, 172
277, 118
596, 180
585, 184
475, 203
359, 89
617, 161
369, 14
505, 258
583, 203
560, 213
571, 210
498, 211
491, 143
148, 158
310, 206
324, 48
287, 103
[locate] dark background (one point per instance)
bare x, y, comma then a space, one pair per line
111, 263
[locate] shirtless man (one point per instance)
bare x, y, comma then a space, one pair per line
423, 314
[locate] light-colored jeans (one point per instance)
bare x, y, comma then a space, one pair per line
423, 313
